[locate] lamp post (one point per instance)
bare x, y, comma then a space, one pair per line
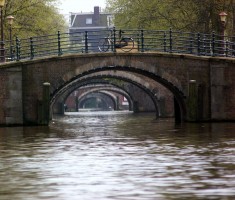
2, 3
10, 22
223, 16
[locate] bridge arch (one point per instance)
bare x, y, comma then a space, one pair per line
104, 103
178, 94
108, 89
63, 95
88, 80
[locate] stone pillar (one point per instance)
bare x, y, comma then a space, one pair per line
117, 100
201, 100
58, 108
218, 90
46, 104
76, 104
192, 101
162, 107
135, 107
177, 111
63, 108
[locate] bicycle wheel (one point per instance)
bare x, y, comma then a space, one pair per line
103, 44
126, 44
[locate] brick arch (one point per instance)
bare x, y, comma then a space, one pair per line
108, 89
76, 83
63, 94
178, 94
141, 80
149, 65
143, 64
90, 95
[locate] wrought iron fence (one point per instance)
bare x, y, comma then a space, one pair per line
112, 40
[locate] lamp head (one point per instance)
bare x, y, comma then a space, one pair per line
223, 16
10, 19
2, 3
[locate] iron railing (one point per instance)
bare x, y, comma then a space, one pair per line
144, 41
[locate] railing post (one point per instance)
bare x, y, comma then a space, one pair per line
191, 44
170, 39
142, 40
232, 46
17, 49
11, 51
226, 48
31, 48
59, 44
164, 41
198, 44
114, 39
213, 43
86, 42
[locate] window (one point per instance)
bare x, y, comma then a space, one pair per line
88, 20
110, 20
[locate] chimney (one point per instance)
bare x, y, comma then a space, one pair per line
96, 10
96, 16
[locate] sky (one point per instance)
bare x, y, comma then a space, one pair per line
67, 6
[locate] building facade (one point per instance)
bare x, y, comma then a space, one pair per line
97, 24
90, 21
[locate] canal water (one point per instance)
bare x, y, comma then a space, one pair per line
118, 156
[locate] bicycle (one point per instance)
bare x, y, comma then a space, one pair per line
124, 43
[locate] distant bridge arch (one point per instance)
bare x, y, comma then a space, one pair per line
108, 89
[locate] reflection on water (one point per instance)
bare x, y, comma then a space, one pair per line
117, 156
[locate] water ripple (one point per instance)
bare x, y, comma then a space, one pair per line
117, 157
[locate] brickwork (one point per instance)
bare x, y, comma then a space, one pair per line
4, 95
11, 96
229, 93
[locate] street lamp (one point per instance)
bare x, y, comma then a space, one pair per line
10, 22
223, 16
2, 3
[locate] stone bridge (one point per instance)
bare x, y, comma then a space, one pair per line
197, 88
